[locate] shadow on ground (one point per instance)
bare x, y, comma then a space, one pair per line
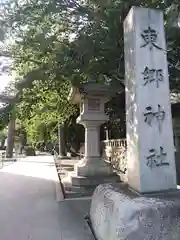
29, 210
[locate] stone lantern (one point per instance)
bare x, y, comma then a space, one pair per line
91, 97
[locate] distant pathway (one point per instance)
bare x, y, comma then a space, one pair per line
29, 206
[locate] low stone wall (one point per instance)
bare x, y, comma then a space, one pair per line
118, 214
114, 151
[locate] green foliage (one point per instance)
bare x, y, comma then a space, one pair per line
40, 112
3, 135
60, 43
5, 115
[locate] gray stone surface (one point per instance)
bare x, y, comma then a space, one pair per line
118, 214
150, 156
92, 116
29, 206
75, 186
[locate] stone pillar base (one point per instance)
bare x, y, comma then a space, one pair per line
92, 167
63, 157
117, 213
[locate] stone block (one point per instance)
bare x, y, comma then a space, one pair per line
93, 167
94, 180
118, 214
63, 157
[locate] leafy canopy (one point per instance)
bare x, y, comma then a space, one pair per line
59, 43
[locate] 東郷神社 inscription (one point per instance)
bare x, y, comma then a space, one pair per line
149, 127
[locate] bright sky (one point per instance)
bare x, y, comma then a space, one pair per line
5, 78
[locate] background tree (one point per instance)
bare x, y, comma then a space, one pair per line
60, 43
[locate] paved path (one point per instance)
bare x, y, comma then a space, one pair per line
29, 206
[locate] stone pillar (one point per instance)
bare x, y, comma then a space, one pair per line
150, 148
92, 164
106, 129
92, 141
61, 141
10, 137
117, 212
